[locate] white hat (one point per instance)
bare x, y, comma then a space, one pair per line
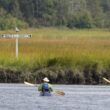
46, 79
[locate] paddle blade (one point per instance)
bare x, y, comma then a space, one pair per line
29, 84
108, 81
60, 93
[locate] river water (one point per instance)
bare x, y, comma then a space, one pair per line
78, 97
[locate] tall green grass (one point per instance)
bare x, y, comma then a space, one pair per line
57, 47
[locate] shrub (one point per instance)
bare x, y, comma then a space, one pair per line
9, 22
80, 21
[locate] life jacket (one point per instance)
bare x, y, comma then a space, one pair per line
45, 87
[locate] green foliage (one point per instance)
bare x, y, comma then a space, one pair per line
11, 22
8, 22
80, 21
70, 13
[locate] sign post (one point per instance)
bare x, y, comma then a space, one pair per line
16, 36
17, 48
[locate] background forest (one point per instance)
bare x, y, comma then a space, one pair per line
54, 13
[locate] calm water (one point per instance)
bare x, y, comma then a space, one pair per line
22, 97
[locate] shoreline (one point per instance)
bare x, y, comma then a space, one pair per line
56, 76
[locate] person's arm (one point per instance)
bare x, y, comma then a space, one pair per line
50, 88
40, 87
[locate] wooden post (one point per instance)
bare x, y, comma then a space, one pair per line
17, 48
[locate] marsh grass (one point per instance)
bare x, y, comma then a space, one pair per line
57, 46
63, 55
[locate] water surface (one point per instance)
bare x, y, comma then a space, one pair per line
22, 97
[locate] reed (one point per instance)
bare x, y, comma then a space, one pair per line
59, 53
63, 46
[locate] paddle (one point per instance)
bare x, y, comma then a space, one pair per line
61, 93
108, 81
30, 84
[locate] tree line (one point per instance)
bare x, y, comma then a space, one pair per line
67, 13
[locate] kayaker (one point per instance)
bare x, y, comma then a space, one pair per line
45, 88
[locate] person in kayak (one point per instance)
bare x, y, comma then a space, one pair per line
45, 88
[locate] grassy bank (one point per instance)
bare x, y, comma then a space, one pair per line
80, 51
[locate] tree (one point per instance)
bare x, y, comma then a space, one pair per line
94, 7
61, 7
106, 10
71, 13
45, 12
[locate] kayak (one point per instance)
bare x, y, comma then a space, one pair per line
45, 94
61, 93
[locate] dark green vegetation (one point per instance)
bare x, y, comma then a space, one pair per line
90, 74
69, 13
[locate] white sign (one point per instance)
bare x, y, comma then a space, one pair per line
17, 36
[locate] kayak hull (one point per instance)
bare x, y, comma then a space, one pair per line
45, 94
